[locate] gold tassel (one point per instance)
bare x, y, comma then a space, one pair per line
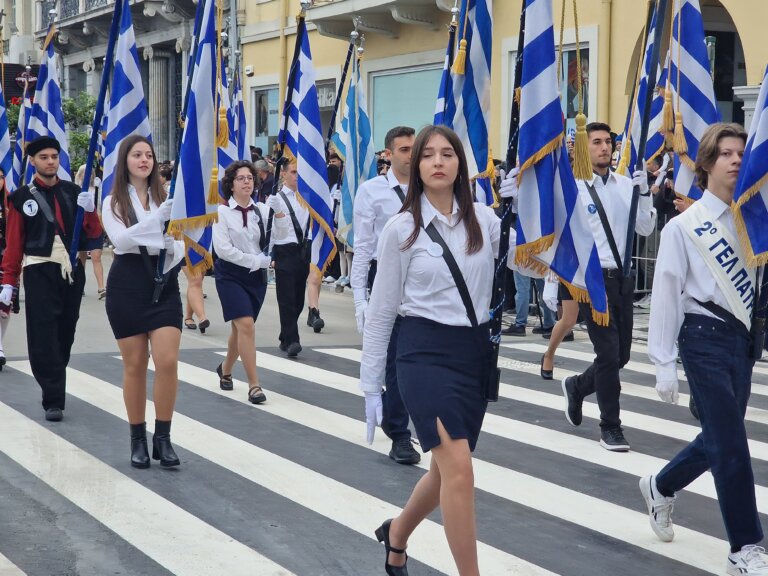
582, 165
213, 187
518, 92
680, 144
624, 160
222, 138
460, 62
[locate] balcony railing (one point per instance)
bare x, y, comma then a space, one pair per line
91, 4
69, 8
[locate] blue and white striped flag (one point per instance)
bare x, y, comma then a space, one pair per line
227, 153
694, 97
750, 200
304, 141
472, 94
552, 229
127, 112
655, 141
196, 196
445, 109
241, 128
47, 115
25, 110
6, 153
355, 146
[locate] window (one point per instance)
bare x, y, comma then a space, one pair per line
265, 118
569, 87
403, 97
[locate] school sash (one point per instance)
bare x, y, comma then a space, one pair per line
725, 259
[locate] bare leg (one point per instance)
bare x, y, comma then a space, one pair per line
195, 303
246, 346
98, 268
232, 353
313, 288
4, 320
135, 353
165, 354
560, 330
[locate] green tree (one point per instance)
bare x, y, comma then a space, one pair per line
13, 117
78, 115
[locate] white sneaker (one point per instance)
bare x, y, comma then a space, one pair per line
659, 509
750, 560
329, 280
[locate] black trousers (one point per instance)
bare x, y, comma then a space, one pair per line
612, 345
52, 308
291, 272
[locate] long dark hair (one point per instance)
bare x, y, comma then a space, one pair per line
121, 200
229, 177
461, 188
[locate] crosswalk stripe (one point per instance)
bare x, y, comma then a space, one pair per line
189, 547
632, 365
643, 349
633, 462
341, 503
569, 505
660, 426
8, 568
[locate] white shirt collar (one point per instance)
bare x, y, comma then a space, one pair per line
134, 195
715, 206
287, 191
596, 177
392, 180
429, 212
233, 203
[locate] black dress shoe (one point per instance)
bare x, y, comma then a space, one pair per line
317, 322
293, 349
204, 325
382, 535
161, 445
403, 452
225, 380
542, 330
283, 346
546, 374
53, 414
573, 401
139, 450
514, 330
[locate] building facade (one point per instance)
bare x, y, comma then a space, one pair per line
405, 43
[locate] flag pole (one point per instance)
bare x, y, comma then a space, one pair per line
500, 280
332, 124
661, 16
97, 119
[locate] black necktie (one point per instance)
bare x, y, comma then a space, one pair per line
244, 212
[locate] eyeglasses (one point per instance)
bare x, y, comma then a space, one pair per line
243, 178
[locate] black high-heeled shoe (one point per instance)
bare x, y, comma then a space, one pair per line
546, 374
139, 450
382, 535
161, 445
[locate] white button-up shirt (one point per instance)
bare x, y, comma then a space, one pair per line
148, 232
415, 282
240, 244
376, 201
616, 197
681, 275
302, 215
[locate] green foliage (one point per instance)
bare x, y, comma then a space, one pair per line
13, 117
78, 149
78, 114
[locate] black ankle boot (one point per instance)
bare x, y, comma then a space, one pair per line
139, 451
161, 445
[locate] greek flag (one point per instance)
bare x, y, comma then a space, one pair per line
241, 128
472, 93
750, 200
47, 115
228, 153
127, 112
655, 142
552, 229
196, 195
445, 108
304, 141
25, 109
355, 146
693, 93
6, 153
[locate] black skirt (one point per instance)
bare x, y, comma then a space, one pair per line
129, 298
241, 292
441, 372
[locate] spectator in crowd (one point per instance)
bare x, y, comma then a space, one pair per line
266, 180
94, 246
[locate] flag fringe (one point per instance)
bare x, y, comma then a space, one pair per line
524, 253
753, 260
176, 228
581, 295
204, 264
624, 160
541, 154
686, 199
751, 191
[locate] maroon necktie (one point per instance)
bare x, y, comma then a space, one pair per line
244, 212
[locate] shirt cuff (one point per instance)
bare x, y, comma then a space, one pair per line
666, 372
360, 294
370, 388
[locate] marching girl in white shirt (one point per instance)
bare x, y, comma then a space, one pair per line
241, 240
442, 361
134, 215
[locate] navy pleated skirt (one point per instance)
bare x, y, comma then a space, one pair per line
241, 291
130, 288
441, 371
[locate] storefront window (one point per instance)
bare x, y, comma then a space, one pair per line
266, 110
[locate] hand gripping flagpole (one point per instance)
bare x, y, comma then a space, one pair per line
499, 282
661, 16
114, 30
332, 125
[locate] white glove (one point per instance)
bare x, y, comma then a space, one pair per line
169, 243
360, 308
508, 187
275, 204
549, 295
667, 390
6, 295
86, 201
260, 261
374, 410
640, 178
163, 213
